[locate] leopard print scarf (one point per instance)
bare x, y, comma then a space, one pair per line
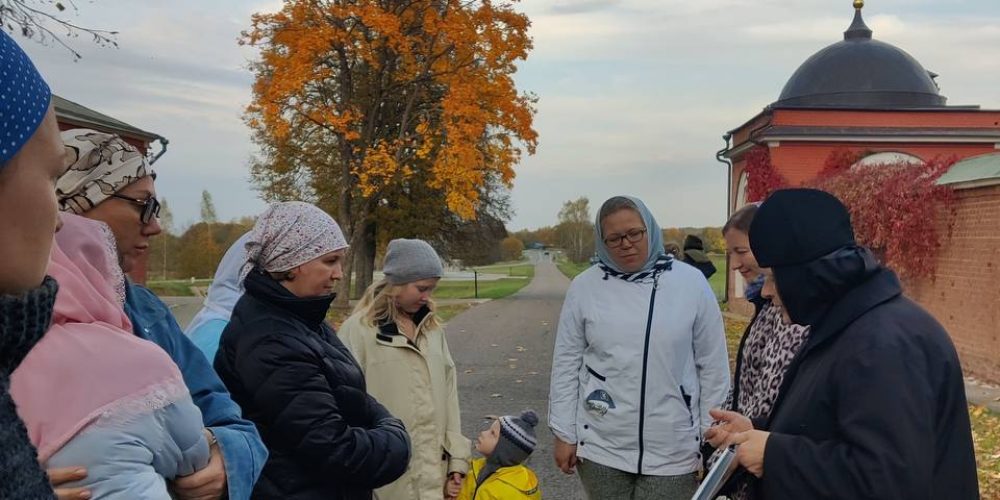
768, 349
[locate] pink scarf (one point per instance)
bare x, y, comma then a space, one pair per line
89, 367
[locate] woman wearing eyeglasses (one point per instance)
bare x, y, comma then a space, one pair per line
640, 358
110, 181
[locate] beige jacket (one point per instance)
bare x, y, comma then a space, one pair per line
416, 382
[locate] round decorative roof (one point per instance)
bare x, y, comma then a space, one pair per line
860, 72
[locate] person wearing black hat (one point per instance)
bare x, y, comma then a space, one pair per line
873, 405
694, 254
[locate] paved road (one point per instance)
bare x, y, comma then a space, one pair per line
503, 350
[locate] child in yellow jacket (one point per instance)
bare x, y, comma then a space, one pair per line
501, 475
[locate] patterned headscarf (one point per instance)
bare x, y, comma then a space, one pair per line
290, 234
24, 98
101, 165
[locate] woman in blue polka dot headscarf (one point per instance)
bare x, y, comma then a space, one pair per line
31, 158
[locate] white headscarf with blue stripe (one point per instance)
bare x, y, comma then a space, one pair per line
655, 257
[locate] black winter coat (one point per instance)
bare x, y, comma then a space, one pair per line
873, 406
699, 260
327, 438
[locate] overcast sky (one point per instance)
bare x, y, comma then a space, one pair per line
635, 95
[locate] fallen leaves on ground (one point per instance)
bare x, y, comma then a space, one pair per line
986, 435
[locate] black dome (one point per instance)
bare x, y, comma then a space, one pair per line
860, 73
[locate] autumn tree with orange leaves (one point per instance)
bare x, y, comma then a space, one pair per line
358, 104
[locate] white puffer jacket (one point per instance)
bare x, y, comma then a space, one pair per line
636, 368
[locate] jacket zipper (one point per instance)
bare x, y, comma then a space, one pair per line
645, 361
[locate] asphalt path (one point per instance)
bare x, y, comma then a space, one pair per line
503, 350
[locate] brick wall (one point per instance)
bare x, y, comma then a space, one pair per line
964, 294
801, 161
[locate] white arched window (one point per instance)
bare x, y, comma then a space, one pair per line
738, 202
887, 158
741, 193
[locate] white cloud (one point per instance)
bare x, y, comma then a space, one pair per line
635, 94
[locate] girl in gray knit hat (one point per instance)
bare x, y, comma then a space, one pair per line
505, 443
400, 344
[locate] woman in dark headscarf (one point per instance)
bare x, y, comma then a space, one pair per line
31, 157
640, 358
873, 405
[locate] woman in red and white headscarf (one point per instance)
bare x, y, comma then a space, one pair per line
92, 394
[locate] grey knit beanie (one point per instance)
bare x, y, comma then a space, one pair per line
407, 261
517, 441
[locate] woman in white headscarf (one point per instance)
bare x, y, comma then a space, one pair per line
293, 377
206, 327
639, 359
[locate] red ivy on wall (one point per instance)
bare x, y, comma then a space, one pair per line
840, 160
894, 207
762, 178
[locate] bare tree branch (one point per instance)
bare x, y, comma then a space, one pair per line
33, 23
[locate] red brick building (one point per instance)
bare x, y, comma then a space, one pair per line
964, 293
869, 96
72, 115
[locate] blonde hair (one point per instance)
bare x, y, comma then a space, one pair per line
378, 305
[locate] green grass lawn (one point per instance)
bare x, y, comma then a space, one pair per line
985, 425
496, 289
451, 310
571, 269
176, 288
512, 269
520, 272
718, 280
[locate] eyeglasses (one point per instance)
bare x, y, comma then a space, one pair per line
150, 207
632, 235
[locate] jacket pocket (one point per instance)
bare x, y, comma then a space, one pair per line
597, 397
687, 404
596, 375
687, 442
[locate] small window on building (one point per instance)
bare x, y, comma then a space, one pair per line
741, 193
888, 158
